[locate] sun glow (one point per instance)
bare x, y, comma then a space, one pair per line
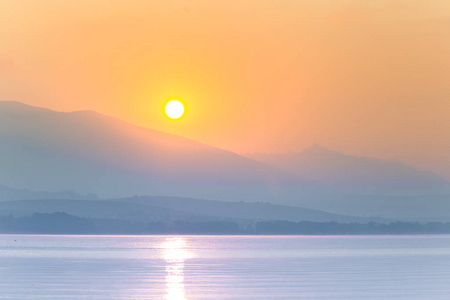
174, 109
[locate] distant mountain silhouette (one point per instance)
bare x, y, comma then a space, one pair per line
44, 150
166, 209
41, 149
242, 210
356, 174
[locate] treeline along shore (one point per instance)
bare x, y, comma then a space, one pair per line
63, 223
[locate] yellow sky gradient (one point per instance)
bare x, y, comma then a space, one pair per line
361, 77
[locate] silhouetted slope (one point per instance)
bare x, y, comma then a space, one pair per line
46, 150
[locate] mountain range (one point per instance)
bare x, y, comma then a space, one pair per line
41, 149
44, 152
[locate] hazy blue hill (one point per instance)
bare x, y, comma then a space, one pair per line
85, 151
242, 210
171, 208
96, 209
363, 175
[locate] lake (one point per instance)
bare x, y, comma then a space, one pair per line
224, 267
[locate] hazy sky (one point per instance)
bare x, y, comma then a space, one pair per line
361, 77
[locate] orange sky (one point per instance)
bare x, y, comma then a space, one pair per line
361, 77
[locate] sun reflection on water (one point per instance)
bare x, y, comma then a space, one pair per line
175, 252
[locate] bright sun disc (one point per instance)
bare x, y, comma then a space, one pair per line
174, 109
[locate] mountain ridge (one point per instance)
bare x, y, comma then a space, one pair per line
67, 148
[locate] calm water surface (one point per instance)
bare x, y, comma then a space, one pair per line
224, 267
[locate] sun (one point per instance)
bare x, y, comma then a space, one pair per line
174, 109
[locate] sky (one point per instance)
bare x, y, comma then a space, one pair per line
366, 78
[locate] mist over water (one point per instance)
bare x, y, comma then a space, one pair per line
224, 267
